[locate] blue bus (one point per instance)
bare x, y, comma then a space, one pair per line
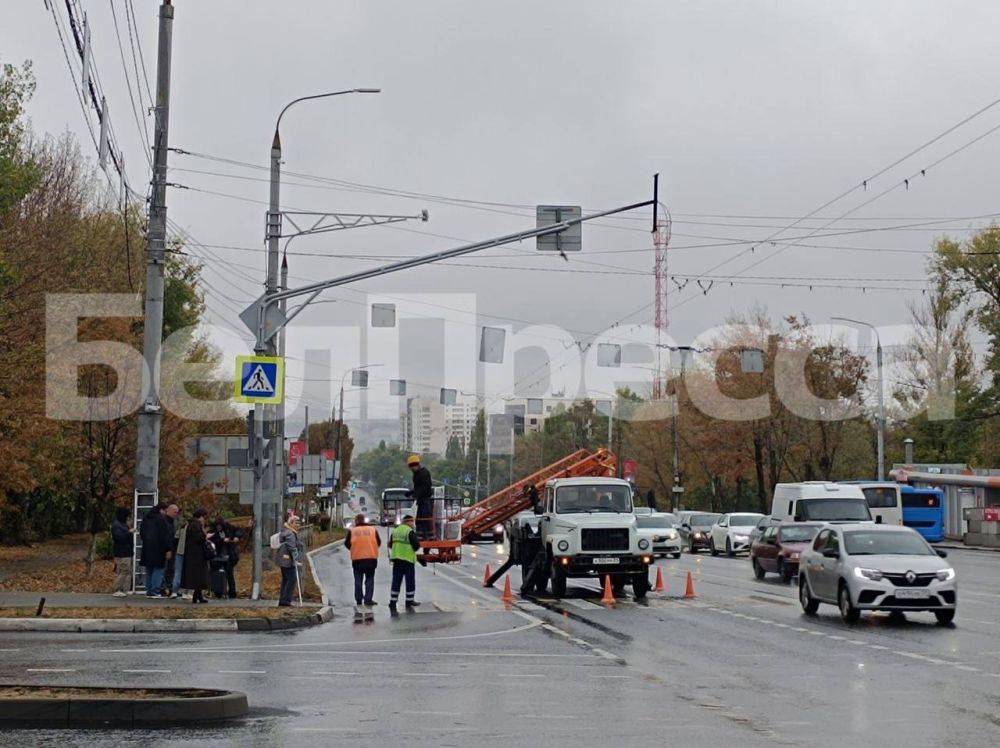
923, 510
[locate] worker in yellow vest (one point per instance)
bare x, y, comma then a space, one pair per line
363, 541
403, 547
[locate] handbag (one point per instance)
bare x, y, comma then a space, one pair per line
210, 552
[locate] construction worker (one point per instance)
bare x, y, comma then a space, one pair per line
423, 492
403, 547
363, 542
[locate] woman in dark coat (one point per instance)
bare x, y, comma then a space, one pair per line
196, 556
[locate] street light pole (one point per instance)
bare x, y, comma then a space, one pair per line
881, 393
267, 346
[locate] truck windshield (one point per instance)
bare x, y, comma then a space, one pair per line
834, 510
595, 498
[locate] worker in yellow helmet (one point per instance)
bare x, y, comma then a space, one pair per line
423, 493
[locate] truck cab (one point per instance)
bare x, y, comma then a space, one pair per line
588, 529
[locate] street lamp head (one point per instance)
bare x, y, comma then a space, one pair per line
367, 90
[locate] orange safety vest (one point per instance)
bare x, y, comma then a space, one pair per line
364, 543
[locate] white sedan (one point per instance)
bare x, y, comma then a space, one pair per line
661, 530
732, 533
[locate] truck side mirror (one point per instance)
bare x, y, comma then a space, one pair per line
538, 509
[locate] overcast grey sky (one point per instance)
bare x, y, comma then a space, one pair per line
759, 110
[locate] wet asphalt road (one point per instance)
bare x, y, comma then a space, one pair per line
739, 663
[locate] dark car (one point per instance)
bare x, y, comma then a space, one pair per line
778, 549
696, 529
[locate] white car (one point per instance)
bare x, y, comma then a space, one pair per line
732, 533
660, 529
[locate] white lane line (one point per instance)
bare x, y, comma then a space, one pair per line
330, 672
242, 672
521, 675
147, 671
74, 650
879, 646
15, 650
967, 668
50, 670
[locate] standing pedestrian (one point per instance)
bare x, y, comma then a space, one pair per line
226, 539
171, 516
197, 552
180, 542
423, 494
288, 557
157, 542
363, 542
403, 547
123, 546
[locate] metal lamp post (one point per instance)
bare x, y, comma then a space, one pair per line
881, 394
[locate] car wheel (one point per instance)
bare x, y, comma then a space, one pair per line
848, 612
785, 572
729, 548
809, 604
691, 548
944, 617
711, 546
558, 578
676, 555
640, 585
758, 570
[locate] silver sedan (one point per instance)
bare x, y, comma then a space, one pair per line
876, 567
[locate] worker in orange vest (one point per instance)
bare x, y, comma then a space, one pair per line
363, 541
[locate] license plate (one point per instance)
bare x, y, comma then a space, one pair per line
912, 594
607, 560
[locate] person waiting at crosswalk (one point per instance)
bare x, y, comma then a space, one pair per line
363, 542
403, 547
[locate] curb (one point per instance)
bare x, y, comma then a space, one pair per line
962, 547
81, 710
161, 625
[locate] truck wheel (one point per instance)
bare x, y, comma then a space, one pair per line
640, 585
676, 555
558, 582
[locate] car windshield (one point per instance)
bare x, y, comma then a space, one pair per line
653, 520
832, 510
743, 520
799, 534
885, 544
703, 519
669, 519
881, 497
595, 498
397, 495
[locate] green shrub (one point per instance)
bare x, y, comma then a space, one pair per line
105, 549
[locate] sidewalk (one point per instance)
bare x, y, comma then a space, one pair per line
955, 545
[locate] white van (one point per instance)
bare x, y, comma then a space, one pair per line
885, 500
816, 501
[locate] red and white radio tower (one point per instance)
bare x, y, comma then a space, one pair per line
661, 239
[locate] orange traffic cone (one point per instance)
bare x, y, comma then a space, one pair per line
508, 596
660, 586
486, 576
689, 589
609, 597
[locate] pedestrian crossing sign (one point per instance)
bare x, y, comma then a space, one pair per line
259, 379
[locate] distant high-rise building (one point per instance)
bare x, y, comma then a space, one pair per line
426, 426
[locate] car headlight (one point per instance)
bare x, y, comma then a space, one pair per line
697, 536
873, 574
498, 528
643, 544
671, 535
945, 575
563, 545
794, 555
741, 537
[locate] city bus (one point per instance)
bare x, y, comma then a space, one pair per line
923, 510
395, 503
884, 500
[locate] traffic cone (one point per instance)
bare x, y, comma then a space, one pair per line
609, 597
486, 576
508, 596
689, 589
660, 586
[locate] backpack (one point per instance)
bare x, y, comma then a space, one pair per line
275, 541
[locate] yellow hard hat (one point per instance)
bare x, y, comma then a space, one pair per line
413, 460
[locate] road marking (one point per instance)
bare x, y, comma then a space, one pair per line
243, 672
581, 604
18, 650
146, 671
50, 670
620, 677
967, 668
330, 672
521, 675
74, 650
